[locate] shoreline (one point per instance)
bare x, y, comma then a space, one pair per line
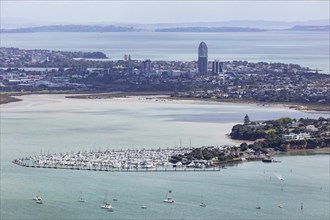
296, 106
6, 98
297, 152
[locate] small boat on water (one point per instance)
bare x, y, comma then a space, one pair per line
167, 198
81, 199
202, 204
106, 204
258, 207
280, 206
143, 207
38, 199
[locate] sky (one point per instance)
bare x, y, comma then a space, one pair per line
175, 11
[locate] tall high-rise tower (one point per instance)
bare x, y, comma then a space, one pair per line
202, 58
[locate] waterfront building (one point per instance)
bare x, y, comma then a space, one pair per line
202, 58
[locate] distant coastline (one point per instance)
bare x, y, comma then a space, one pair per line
113, 28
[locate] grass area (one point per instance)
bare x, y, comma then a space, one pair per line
270, 130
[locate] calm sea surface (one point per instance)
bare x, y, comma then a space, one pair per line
51, 123
309, 49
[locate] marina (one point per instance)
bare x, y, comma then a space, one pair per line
148, 160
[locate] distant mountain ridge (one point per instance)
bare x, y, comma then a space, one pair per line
18, 22
113, 28
262, 24
310, 28
70, 28
210, 29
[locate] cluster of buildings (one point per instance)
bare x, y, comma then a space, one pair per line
14, 57
32, 80
18, 58
300, 131
266, 82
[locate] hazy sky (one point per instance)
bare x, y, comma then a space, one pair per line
86, 11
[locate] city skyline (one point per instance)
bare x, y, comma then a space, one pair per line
152, 12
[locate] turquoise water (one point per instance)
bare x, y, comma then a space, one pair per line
309, 49
50, 123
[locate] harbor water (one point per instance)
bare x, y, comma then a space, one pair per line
306, 48
42, 124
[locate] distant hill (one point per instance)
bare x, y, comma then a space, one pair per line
210, 29
18, 22
70, 28
113, 28
262, 24
310, 28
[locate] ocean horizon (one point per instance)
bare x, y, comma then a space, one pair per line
306, 48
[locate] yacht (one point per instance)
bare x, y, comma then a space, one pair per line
106, 204
168, 199
38, 199
202, 203
81, 199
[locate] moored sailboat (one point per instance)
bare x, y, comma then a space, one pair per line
38, 199
106, 204
202, 204
167, 198
81, 199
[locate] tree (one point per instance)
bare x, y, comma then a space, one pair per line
244, 146
246, 120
